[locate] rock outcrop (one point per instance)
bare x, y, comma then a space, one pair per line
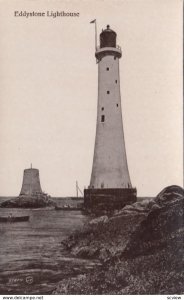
140, 248
28, 202
161, 224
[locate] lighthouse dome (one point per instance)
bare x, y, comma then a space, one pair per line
107, 38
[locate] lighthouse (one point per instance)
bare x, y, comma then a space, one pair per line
31, 183
110, 184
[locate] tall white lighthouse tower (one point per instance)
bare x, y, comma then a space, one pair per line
110, 184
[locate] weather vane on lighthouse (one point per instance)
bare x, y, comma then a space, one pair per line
110, 185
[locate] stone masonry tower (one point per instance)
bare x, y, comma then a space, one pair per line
31, 183
110, 185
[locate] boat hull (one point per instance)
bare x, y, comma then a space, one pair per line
14, 219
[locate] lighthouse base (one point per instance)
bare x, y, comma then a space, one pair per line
108, 199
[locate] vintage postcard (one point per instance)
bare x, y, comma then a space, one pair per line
91, 147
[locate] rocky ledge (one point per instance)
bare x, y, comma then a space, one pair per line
140, 248
28, 202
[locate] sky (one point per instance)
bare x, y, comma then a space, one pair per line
49, 84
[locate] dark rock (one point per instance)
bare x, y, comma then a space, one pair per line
140, 247
27, 202
154, 231
86, 252
169, 195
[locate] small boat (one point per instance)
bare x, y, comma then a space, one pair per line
10, 219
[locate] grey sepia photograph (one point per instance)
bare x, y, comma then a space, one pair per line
91, 147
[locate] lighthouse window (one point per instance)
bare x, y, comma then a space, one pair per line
108, 92
102, 108
114, 57
117, 105
107, 69
116, 81
103, 118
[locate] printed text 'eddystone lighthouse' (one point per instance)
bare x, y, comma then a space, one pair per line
110, 185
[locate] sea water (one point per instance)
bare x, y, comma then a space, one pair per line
31, 257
